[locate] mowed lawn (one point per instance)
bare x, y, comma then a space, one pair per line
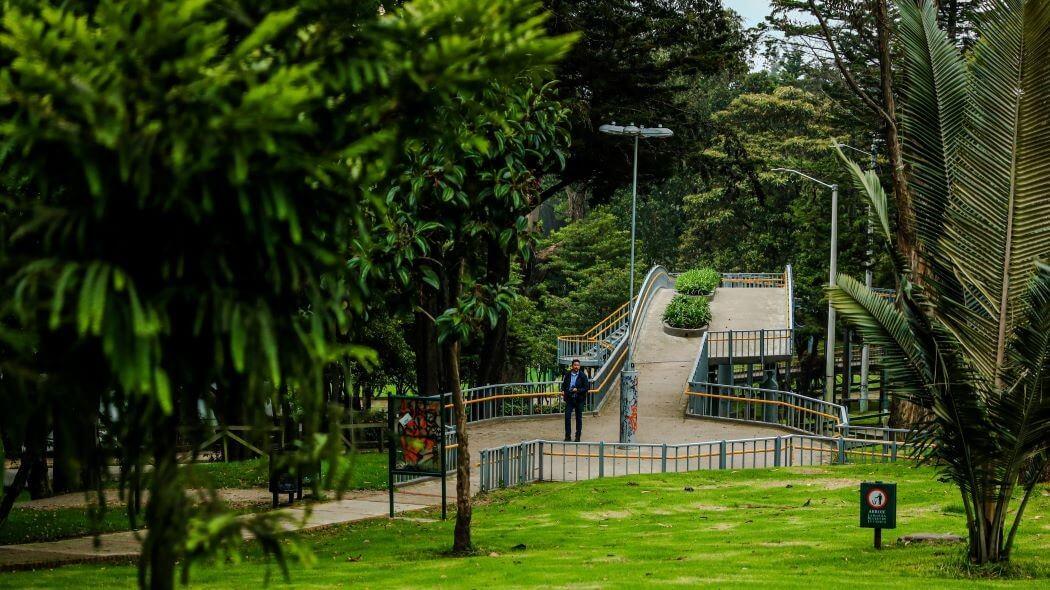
777, 528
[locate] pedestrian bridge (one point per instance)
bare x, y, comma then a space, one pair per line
731, 385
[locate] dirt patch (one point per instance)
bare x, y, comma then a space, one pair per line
607, 515
826, 483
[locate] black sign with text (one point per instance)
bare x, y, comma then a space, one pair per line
878, 505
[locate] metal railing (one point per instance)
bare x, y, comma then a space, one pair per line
600, 342
597, 342
784, 409
544, 460
751, 344
753, 280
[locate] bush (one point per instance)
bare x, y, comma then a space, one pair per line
699, 281
687, 312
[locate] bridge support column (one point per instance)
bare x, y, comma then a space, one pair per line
725, 377
628, 406
769, 413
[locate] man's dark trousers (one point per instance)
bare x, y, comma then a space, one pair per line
573, 402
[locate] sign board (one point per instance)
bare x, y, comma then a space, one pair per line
878, 505
416, 426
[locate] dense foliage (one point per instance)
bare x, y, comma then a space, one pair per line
968, 339
687, 311
698, 281
195, 176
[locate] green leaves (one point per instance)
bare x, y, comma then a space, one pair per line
971, 345
698, 281
686, 311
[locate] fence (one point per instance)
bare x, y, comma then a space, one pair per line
784, 409
544, 460
596, 343
600, 343
753, 280
743, 345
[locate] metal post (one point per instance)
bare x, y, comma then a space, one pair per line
601, 458
865, 351
630, 296
847, 366
829, 364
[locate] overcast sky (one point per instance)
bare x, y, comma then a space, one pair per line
753, 11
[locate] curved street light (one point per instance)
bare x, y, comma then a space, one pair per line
829, 351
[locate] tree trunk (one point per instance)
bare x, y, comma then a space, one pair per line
577, 203
38, 483
424, 343
164, 512
493, 352
10, 493
461, 538
902, 199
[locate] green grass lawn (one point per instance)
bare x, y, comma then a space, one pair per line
24, 525
783, 528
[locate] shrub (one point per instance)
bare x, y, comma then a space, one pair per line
687, 312
699, 281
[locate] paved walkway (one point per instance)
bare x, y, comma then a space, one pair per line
125, 546
663, 361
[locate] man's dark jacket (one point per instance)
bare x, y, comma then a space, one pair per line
583, 385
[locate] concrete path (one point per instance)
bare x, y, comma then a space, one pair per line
663, 361
125, 546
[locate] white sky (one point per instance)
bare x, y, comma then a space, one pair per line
753, 11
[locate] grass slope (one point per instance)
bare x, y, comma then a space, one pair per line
777, 528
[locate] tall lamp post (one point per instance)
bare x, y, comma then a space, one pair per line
829, 352
865, 351
629, 377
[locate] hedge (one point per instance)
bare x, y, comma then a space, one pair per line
699, 281
687, 312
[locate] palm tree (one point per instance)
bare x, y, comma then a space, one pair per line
968, 337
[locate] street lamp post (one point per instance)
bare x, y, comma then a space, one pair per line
865, 351
629, 377
829, 352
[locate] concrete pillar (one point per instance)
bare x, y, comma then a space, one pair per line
725, 377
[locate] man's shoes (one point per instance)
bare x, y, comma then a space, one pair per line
577, 438
567, 439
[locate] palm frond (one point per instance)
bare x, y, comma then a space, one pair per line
932, 117
997, 217
881, 324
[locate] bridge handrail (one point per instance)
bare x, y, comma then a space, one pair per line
518, 400
776, 407
752, 280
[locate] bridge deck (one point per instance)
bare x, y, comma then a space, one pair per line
750, 309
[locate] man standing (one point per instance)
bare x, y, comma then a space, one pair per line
574, 388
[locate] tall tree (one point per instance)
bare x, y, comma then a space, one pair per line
971, 344
198, 173
632, 59
459, 214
